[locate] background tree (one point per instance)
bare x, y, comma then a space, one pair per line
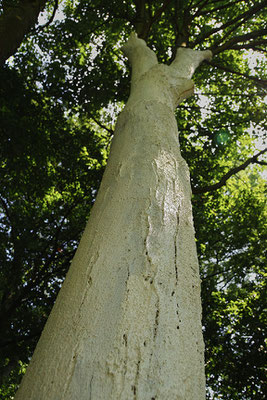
18, 17
59, 101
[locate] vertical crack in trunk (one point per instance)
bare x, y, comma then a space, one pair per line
71, 371
90, 387
135, 386
175, 247
149, 268
156, 322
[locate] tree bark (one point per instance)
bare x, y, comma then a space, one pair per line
15, 22
127, 321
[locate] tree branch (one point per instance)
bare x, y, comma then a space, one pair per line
218, 8
144, 20
260, 82
244, 17
6, 209
159, 12
252, 46
239, 39
51, 18
215, 274
15, 23
224, 179
201, 6
260, 162
101, 125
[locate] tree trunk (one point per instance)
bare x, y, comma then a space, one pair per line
15, 22
127, 321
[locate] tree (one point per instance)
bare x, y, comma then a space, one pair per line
212, 168
140, 234
16, 20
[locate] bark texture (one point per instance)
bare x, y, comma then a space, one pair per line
127, 322
15, 22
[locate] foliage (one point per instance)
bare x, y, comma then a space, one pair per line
51, 166
232, 260
59, 98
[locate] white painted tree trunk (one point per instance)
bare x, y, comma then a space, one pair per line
127, 321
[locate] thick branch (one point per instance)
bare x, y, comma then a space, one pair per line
178, 74
187, 61
224, 179
15, 23
144, 18
141, 57
159, 12
230, 44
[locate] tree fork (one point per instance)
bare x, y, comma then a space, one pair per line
127, 321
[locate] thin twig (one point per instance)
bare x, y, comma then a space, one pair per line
244, 17
201, 6
260, 82
219, 8
51, 18
216, 49
229, 174
101, 125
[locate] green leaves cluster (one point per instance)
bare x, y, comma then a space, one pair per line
232, 260
51, 167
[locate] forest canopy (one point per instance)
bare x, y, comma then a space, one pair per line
63, 82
